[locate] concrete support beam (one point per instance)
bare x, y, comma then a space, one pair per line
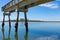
3, 19
16, 25
6, 14
26, 22
9, 20
9, 23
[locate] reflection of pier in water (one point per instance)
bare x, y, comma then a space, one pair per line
20, 6
16, 35
8, 32
25, 36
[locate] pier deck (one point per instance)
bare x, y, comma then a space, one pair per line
13, 4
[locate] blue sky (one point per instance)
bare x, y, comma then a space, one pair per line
48, 11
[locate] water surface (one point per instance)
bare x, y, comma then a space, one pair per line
37, 31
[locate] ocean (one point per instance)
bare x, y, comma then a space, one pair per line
36, 31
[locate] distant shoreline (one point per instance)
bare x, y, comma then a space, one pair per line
23, 20
31, 21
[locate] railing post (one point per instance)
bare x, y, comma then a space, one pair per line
26, 22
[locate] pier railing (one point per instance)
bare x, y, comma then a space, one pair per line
28, 3
10, 4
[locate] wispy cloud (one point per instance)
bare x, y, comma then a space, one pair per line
57, 0
50, 5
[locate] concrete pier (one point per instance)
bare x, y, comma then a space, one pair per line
21, 6
16, 25
26, 22
3, 19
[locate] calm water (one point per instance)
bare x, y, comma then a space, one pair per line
37, 31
